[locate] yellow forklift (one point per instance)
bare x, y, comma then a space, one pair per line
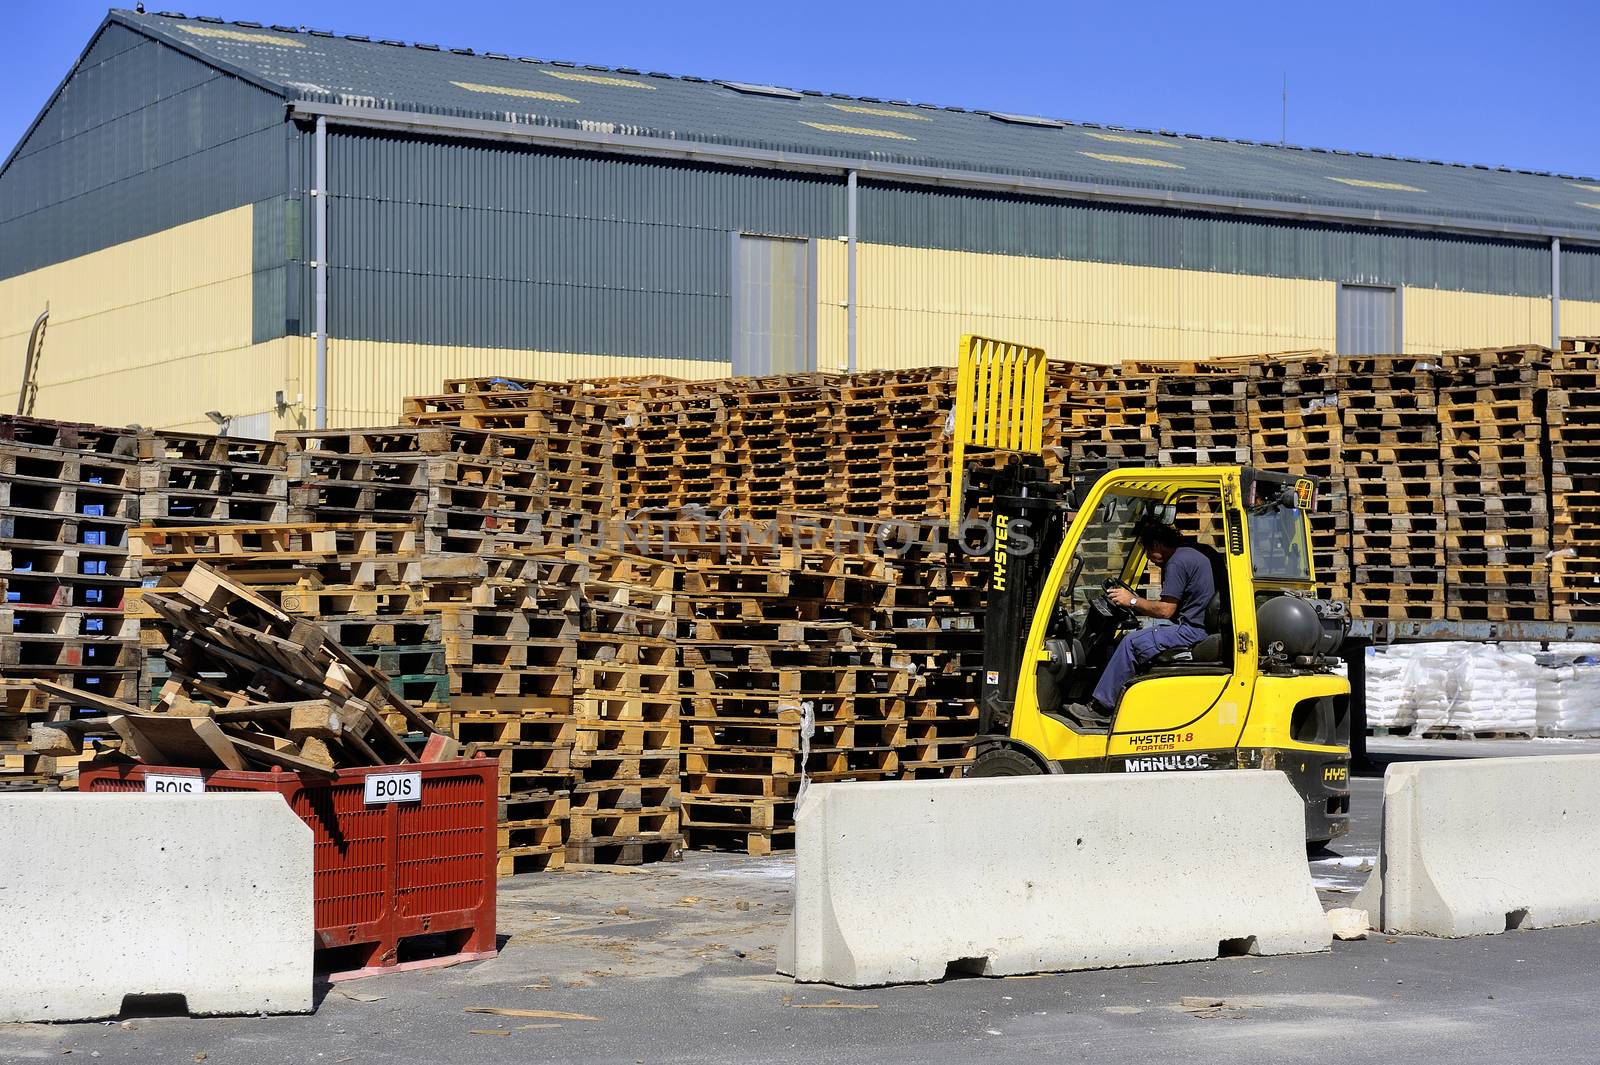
1259, 692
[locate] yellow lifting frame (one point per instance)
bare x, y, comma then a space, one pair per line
999, 405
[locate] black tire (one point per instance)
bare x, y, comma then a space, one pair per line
1004, 762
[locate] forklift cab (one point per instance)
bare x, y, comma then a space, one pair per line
1102, 551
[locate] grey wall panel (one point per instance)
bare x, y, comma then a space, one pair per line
773, 306
454, 242
140, 139
1368, 320
1580, 274
1056, 229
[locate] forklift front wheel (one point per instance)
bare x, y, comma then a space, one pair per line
1004, 762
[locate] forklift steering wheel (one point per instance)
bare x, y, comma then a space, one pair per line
1106, 608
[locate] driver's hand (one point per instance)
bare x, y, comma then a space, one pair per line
1122, 597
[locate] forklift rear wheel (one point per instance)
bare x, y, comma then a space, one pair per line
1004, 762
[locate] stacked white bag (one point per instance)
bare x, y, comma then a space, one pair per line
1389, 703
1476, 687
1568, 689
1494, 690
1430, 683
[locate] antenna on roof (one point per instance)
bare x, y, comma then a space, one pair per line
1283, 135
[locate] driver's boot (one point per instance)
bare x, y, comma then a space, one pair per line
1090, 715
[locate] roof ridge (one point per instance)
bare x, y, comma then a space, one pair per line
696, 79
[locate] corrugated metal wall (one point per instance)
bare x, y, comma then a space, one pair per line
487, 244
1580, 273
915, 216
141, 139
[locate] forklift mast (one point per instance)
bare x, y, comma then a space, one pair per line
997, 462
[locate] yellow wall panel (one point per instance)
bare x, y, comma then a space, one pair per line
915, 304
1434, 320
367, 379
1580, 318
833, 290
165, 300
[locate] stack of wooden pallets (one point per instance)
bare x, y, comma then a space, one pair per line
1202, 412
1117, 425
1082, 399
68, 495
1202, 416
931, 615
782, 677
1497, 527
192, 478
783, 433
1571, 386
1297, 426
893, 442
625, 798
1397, 504
573, 430
467, 491
683, 449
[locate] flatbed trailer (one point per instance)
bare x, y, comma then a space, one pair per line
1382, 632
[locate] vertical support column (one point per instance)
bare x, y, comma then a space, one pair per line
319, 208
850, 275
1555, 292
1355, 661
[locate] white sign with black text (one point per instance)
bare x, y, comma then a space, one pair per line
393, 787
167, 784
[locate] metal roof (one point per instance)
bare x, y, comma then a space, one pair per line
430, 87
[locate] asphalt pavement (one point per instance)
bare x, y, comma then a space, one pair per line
675, 963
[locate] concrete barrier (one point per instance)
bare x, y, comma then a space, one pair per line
1485, 845
105, 896
913, 881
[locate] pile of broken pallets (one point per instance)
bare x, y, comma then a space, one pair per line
250, 687
483, 645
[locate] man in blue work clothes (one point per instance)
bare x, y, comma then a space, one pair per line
1187, 585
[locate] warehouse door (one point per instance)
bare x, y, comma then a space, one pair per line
774, 328
1369, 320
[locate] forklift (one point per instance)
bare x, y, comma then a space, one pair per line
1259, 692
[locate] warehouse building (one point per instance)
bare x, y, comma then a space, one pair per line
278, 225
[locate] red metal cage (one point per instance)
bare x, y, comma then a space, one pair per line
386, 872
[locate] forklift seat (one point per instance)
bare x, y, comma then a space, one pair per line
1208, 651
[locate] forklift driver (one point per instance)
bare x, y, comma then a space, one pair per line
1187, 585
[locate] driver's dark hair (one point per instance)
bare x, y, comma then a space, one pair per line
1150, 532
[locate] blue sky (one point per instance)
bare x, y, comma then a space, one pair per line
1465, 82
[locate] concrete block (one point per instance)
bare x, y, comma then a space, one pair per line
1348, 924
204, 896
903, 881
1484, 845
